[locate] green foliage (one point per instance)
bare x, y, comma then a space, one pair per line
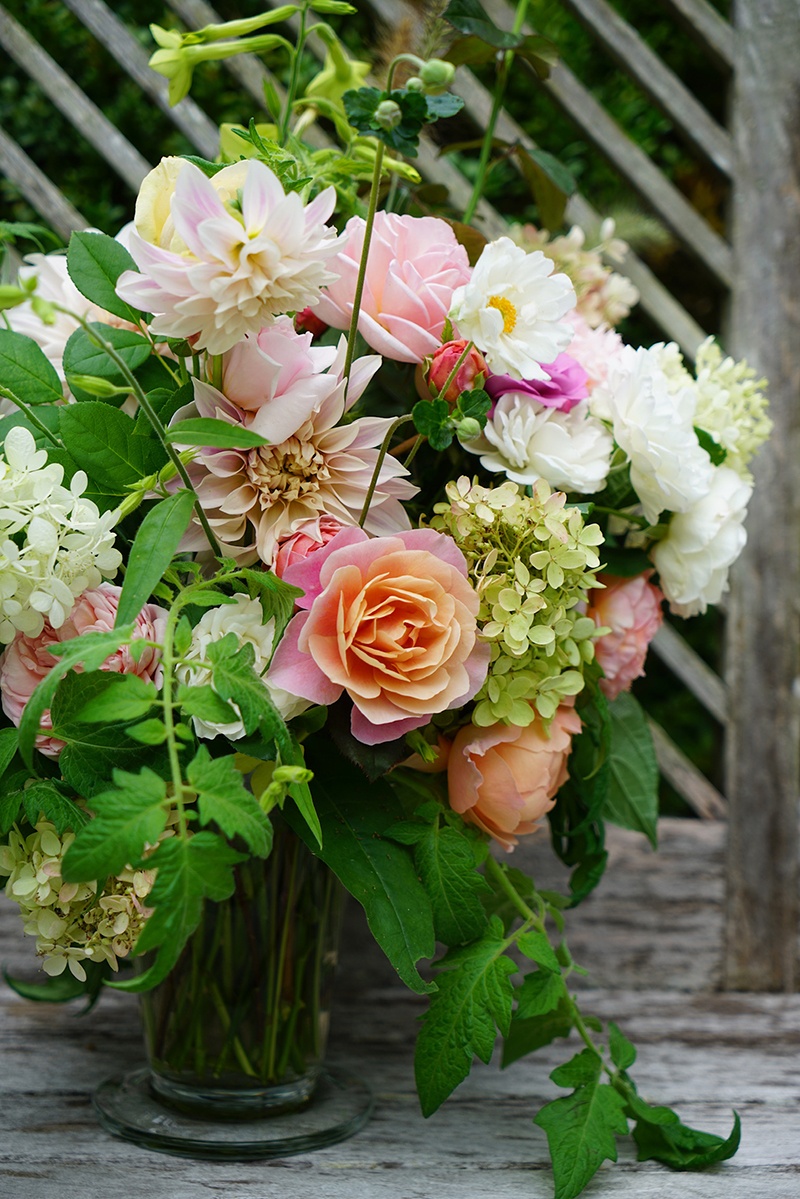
632, 799
126, 818
26, 371
103, 441
223, 799
152, 551
207, 431
95, 262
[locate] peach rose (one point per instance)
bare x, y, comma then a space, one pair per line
26, 661
504, 778
391, 621
415, 264
631, 608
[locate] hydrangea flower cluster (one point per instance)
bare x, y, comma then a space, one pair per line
72, 922
54, 543
532, 561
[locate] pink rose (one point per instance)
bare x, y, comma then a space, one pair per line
442, 363
565, 388
26, 661
310, 537
389, 620
415, 264
504, 778
631, 608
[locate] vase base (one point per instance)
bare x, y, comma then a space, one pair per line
127, 1107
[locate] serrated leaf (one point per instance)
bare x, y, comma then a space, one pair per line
8, 747
165, 402
83, 357
536, 946
204, 703
188, 871
121, 697
149, 732
25, 370
581, 1127
153, 549
104, 443
127, 817
10, 805
472, 1004
95, 262
684, 1148
207, 431
223, 798
44, 798
277, 597
531, 1033
539, 994
468, 16
355, 817
632, 800
445, 861
623, 1051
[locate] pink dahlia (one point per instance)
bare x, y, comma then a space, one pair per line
415, 264
26, 661
391, 621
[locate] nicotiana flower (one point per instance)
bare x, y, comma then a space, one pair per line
414, 266
532, 561
511, 309
654, 426
245, 618
702, 544
54, 544
526, 441
26, 661
72, 922
257, 498
239, 251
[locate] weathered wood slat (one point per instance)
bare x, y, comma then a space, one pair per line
683, 661
684, 776
764, 622
187, 116
41, 194
627, 48
708, 27
68, 98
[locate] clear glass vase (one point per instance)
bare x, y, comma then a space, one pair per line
236, 1033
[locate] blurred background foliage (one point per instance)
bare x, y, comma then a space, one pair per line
107, 202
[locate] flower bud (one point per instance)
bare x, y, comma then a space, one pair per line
437, 75
468, 429
415, 84
308, 322
442, 363
388, 115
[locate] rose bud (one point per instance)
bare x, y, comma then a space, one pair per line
441, 366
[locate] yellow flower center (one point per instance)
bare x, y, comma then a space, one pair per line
506, 309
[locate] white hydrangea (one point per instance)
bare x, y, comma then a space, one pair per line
245, 618
654, 425
511, 309
528, 441
54, 543
702, 544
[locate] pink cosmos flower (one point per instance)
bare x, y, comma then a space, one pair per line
415, 264
631, 608
443, 363
26, 661
257, 498
391, 621
234, 252
504, 778
565, 388
307, 540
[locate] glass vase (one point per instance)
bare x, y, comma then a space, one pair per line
236, 1033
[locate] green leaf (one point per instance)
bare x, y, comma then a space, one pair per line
550, 183
432, 418
83, 357
188, 871
528, 1034
623, 1051
25, 370
355, 817
445, 105
204, 703
165, 402
152, 551
149, 732
475, 404
445, 861
716, 452
537, 947
223, 798
95, 262
89, 650
539, 994
43, 798
126, 818
472, 1003
277, 598
468, 16
63, 987
632, 800
681, 1147
10, 805
8, 747
103, 442
207, 431
94, 751
122, 697
360, 105
581, 1127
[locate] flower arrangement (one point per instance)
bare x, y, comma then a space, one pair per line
222, 554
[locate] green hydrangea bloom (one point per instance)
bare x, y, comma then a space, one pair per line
532, 561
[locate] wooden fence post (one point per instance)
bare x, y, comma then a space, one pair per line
763, 757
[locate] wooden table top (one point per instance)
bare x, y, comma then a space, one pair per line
651, 937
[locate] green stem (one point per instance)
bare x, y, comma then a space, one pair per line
225, 1021
293, 77
362, 266
461, 360
288, 919
503, 73
31, 415
498, 874
373, 483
